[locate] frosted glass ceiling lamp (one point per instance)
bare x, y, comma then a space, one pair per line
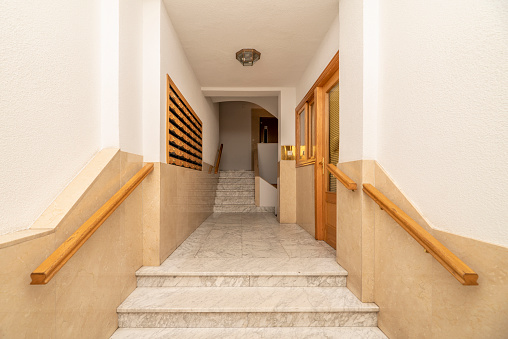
248, 56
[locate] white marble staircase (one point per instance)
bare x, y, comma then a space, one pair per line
235, 193
245, 298
244, 275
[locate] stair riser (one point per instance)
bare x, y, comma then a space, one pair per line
235, 174
246, 319
242, 181
241, 209
234, 201
235, 194
235, 187
242, 281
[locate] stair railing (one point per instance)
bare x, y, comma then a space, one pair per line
256, 163
49, 267
462, 272
217, 163
342, 177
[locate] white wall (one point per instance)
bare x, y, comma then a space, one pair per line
267, 161
174, 62
287, 104
267, 194
130, 82
235, 134
351, 80
443, 123
370, 77
109, 49
322, 57
270, 104
152, 82
50, 87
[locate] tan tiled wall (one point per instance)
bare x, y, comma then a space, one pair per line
305, 199
81, 300
176, 201
355, 230
418, 298
286, 187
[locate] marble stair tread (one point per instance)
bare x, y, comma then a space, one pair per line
254, 333
242, 209
245, 266
244, 300
227, 193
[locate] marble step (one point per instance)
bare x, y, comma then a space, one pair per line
243, 272
251, 333
235, 187
228, 193
236, 174
235, 200
245, 307
242, 209
242, 181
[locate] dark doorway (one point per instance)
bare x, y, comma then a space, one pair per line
268, 130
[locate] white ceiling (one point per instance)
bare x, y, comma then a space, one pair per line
286, 32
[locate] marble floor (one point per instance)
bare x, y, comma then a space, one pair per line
251, 235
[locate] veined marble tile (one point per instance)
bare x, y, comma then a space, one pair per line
308, 251
240, 266
241, 281
246, 319
235, 187
237, 299
297, 281
228, 247
236, 174
263, 249
235, 194
234, 200
193, 281
242, 181
251, 333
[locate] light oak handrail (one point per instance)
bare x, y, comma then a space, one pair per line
342, 177
45, 272
218, 159
256, 163
450, 261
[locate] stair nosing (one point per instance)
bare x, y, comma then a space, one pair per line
235, 305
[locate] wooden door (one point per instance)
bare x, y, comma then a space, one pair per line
328, 144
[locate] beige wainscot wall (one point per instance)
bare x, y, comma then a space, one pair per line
417, 296
305, 198
81, 299
355, 230
286, 187
176, 201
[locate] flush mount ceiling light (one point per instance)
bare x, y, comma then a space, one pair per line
248, 56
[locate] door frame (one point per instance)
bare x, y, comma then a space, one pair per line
317, 94
321, 172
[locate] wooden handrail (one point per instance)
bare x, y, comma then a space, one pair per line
342, 177
218, 159
45, 272
454, 265
256, 163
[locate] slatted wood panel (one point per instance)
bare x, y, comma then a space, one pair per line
184, 137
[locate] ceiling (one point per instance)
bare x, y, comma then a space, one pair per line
286, 32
